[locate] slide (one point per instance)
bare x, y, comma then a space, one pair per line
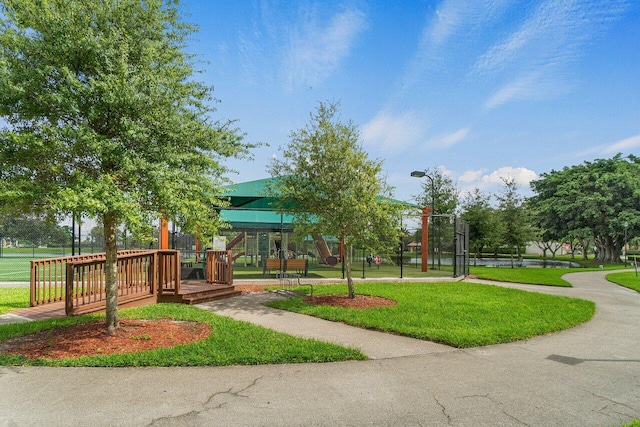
239, 238
323, 251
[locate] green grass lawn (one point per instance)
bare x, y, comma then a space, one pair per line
535, 276
458, 314
532, 276
13, 299
231, 342
38, 252
626, 279
15, 269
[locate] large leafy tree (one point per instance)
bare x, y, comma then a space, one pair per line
103, 117
332, 187
593, 200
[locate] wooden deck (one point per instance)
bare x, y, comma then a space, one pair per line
191, 292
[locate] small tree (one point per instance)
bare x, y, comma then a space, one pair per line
516, 226
484, 224
104, 119
329, 184
443, 194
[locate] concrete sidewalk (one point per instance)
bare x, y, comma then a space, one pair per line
586, 376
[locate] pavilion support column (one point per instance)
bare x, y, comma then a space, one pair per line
246, 245
163, 238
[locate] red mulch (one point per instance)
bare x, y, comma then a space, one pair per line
92, 339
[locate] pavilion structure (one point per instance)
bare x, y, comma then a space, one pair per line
259, 230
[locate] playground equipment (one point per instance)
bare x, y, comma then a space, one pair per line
324, 253
230, 245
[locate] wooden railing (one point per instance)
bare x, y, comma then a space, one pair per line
168, 265
48, 276
219, 267
80, 281
139, 274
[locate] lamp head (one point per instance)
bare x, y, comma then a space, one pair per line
418, 174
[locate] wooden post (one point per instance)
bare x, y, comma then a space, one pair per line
68, 302
163, 238
32, 285
177, 268
425, 238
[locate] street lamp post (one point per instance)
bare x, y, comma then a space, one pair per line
423, 174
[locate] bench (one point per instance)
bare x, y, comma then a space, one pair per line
301, 266
269, 264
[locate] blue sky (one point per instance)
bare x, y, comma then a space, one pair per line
482, 89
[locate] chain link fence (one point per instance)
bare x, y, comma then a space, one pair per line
24, 239
30, 238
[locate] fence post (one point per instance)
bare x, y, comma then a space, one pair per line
154, 274
177, 268
229, 268
32, 285
68, 304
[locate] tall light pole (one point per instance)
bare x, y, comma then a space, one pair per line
423, 174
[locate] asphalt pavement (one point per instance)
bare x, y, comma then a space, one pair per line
586, 376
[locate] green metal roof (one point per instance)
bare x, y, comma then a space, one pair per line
251, 209
251, 195
257, 220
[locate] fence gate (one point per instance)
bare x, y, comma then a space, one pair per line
461, 248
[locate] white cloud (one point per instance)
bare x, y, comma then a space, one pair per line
522, 176
315, 51
449, 140
446, 172
452, 25
536, 85
471, 175
394, 132
533, 58
447, 20
623, 145
492, 182
513, 89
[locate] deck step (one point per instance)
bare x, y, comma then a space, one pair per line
210, 295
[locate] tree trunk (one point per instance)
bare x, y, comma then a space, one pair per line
111, 278
348, 260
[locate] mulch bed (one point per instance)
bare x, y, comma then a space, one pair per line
92, 339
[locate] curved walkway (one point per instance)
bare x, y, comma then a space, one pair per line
585, 376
